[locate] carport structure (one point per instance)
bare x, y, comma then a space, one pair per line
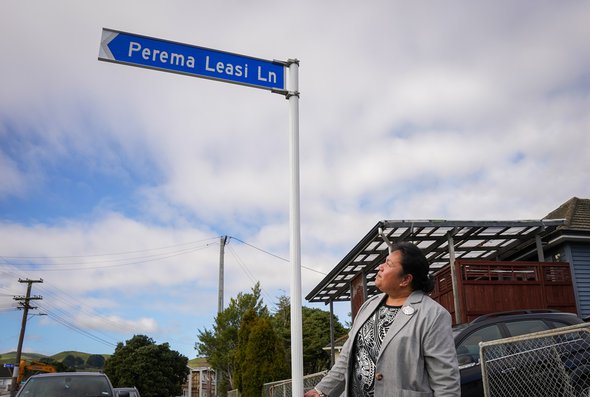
442, 241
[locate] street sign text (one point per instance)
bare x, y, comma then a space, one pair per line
127, 48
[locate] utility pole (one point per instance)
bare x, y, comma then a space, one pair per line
222, 243
24, 304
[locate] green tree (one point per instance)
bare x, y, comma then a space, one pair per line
95, 361
281, 320
316, 334
59, 366
260, 357
72, 361
154, 369
219, 345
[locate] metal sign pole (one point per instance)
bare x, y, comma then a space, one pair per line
296, 311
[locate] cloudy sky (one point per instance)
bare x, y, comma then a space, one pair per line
117, 182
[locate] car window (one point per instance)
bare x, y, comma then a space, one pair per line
470, 345
557, 324
516, 328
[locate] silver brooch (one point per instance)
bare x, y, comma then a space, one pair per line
408, 310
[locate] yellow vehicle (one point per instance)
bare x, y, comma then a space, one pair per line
32, 366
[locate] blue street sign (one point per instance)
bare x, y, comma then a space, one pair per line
8, 365
168, 56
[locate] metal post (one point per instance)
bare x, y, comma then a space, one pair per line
456, 301
332, 342
296, 315
539, 244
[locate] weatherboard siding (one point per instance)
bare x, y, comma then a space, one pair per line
580, 259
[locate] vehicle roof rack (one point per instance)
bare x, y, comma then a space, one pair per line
513, 312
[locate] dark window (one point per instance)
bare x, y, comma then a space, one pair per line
517, 328
470, 345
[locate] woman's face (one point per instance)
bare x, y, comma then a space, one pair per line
390, 277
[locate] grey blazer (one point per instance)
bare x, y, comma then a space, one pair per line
417, 357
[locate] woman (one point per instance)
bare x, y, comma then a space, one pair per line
401, 343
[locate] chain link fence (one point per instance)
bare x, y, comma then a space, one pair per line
553, 363
283, 388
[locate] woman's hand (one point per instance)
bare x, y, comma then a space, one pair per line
314, 393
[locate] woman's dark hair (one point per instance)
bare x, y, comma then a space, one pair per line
415, 263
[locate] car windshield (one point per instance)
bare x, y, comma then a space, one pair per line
67, 386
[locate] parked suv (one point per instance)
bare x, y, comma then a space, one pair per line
67, 384
496, 326
126, 392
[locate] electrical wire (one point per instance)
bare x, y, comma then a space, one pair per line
63, 321
276, 256
70, 301
62, 316
108, 260
130, 261
259, 249
127, 261
110, 254
248, 273
67, 300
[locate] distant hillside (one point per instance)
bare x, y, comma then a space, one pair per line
73, 359
60, 356
10, 357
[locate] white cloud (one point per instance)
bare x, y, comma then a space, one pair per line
143, 326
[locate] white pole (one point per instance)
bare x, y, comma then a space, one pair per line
296, 316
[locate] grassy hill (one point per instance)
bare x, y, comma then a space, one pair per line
60, 356
10, 357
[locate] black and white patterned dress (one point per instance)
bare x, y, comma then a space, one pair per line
366, 348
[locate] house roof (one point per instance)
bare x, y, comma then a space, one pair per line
492, 240
198, 362
575, 211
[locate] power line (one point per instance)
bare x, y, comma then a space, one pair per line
82, 309
109, 254
128, 261
250, 276
242, 265
132, 261
61, 316
276, 256
260, 249
146, 257
111, 260
63, 321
